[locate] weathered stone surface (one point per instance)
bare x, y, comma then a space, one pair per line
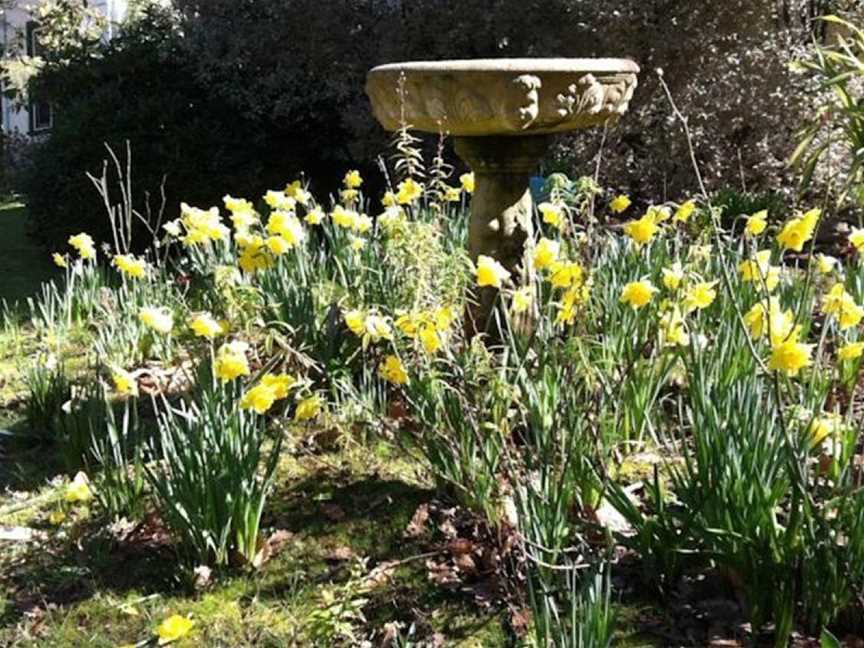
502, 96
501, 208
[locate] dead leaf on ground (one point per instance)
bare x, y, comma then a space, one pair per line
341, 554
520, 620
441, 573
333, 512
417, 526
278, 539
382, 574
460, 546
203, 576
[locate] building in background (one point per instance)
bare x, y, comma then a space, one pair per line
37, 118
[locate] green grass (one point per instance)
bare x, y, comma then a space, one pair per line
23, 264
82, 586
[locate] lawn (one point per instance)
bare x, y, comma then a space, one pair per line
23, 264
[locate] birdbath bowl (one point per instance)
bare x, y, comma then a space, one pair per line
501, 114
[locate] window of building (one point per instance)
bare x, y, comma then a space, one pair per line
41, 112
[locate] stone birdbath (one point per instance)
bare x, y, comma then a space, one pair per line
502, 114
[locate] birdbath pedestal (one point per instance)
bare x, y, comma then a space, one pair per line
502, 114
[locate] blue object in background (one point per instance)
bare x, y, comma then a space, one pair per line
537, 185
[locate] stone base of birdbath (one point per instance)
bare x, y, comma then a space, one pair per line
501, 113
502, 211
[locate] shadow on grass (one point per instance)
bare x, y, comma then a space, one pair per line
64, 571
26, 463
331, 512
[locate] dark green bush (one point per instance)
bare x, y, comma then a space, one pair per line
141, 88
241, 95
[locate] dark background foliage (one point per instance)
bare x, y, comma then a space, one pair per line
240, 96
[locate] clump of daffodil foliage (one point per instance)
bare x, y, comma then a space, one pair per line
251, 323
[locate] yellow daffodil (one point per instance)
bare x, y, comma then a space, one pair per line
353, 180
130, 266
572, 298
780, 323
643, 230
78, 490
279, 201
553, 214
756, 223
522, 299
443, 317
546, 253
388, 199
59, 260
797, 231
673, 276
238, 205
57, 517
363, 223
490, 272
430, 338
684, 212
83, 244
281, 384
206, 326
659, 213
277, 245
255, 255
408, 323
850, 351
637, 293
452, 194
564, 274
272, 387
409, 191
790, 356
700, 296
231, 361
370, 326
823, 427
467, 181
287, 226
377, 328
619, 204
856, 239
173, 628
308, 408
242, 221
202, 226
298, 192
673, 329
315, 216
840, 303
826, 264
392, 370
260, 399
760, 271
344, 218
354, 320
124, 382
158, 319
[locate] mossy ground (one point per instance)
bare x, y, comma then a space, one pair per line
350, 507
